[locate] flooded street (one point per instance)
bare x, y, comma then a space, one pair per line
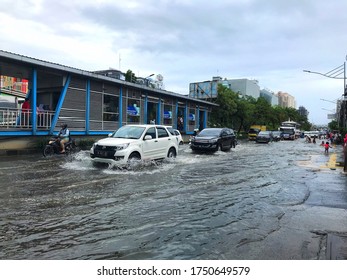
258, 201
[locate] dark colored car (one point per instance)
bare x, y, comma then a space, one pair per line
214, 139
264, 137
277, 135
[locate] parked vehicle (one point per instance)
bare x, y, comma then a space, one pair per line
312, 134
290, 130
134, 142
176, 133
277, 135
252, 133
288, 133
264, 137
254, 130
53, 147
213, 139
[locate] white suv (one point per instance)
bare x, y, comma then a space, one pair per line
140, 142
175, 133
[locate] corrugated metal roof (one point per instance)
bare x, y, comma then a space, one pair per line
89, 74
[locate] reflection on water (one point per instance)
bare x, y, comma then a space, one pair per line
193, 207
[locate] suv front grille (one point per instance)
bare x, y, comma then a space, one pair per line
104, 151
105, 148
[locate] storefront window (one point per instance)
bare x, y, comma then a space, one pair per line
111, 108
133, 111
191, 117
167, 114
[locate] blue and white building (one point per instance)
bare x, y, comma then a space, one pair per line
90, 103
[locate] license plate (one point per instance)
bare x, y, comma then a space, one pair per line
101, 153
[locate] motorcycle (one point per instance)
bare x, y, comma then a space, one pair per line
53, 147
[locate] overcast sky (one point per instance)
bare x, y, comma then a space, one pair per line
271, 41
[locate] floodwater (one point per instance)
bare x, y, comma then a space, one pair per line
258, 201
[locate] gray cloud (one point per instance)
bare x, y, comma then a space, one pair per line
187, 41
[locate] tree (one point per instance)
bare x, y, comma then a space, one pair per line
241, 112
277, 116
223, 115
262, 111
130, 76
245, 112
333, 125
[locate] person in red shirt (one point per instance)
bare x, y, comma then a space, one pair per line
25, 112
327, 146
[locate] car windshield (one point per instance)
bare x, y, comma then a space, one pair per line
129, 132
171, 130
263, 133
210, 132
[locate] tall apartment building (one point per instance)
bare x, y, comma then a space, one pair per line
270, 96
286, 100
208, 89
243, 87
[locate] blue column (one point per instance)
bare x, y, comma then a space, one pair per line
120, 119
197, 118
205, 119
185, 121
87, 107
145, 111
159, 112
176, 109
60, 104
33, 101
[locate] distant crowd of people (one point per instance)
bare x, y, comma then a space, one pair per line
333, 137
330, 138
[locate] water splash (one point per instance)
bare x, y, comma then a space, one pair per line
79, 161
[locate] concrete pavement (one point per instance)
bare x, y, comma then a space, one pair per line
334, 197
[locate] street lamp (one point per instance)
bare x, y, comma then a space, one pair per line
334, 74
335, 102
149, 76
328, 110
147, 80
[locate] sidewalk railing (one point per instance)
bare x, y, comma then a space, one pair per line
12, 118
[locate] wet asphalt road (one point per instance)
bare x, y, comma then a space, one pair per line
258, 201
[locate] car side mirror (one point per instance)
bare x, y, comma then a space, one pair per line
110, 134
148, 137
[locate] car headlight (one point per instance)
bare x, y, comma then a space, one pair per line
122, 146
93, 147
